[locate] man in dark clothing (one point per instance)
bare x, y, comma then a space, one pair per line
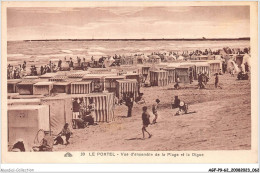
129, 104
190, 77
216, 80
146, 121
41, 70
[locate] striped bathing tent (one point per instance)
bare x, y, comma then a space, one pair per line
104, 105
42, 88
215, 66
159, 78
81, 87
12, 85
126, 86
171, 74
202, 68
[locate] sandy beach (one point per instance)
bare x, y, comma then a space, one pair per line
222, 121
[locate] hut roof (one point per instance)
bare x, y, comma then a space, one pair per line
61, 83
13, 81
26, 107
43, 83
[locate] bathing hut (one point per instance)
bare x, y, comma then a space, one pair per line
215, 66
183, 73
47, 75
104, 105
60, 112
12, 102
25, 122
59, 78
110, 82
12, 85
81, 87
12, 95
97, 81
145, 72
135, 76
159, 78
202, 67
31, 77
42, 88
171, 74
61, 87
25, 87
126, 86
202, 57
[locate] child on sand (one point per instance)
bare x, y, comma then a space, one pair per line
146, 121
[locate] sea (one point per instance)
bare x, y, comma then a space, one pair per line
40, 52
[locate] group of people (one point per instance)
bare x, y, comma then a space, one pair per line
202, 80
83, 113
146, 117
16, 72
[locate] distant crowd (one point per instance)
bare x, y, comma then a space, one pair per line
117, 60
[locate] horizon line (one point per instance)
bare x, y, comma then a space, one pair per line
141, 39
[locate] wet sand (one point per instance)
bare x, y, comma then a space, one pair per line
222, 121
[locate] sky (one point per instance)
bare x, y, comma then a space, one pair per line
128, 22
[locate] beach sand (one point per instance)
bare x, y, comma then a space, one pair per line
222, 121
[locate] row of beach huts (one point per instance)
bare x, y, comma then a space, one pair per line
45, 103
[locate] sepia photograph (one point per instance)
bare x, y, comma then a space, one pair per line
129, 78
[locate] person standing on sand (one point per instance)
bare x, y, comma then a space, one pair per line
146, 121
155, 107
129, 104
216, 81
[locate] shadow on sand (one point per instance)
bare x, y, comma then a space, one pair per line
134, 139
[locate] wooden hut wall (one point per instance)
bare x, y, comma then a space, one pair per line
104, 105
25, 89
11, 88
24, 121
42, 89
183, 74
214, 67
145, 71
58, 88
171, 74
110, 83
126, 87
81, 87
159, 78
60, 112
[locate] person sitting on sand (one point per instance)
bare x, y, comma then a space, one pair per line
146, 121
65, 132
176, 102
